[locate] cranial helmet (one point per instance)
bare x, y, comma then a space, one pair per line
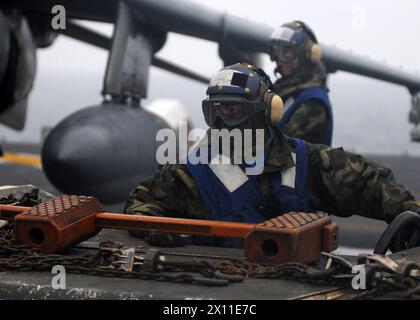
294, 40
239, 92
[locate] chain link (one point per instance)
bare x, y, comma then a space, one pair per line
17, 257
104, 262
27, 199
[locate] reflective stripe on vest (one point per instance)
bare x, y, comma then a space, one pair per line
230, 195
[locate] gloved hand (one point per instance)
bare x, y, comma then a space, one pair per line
159, 239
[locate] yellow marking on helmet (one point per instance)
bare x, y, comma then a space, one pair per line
247, 90
22, 159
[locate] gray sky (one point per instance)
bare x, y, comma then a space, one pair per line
388, 31
70, 73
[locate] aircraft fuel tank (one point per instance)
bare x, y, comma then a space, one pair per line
102, 151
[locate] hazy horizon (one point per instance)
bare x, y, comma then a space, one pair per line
370, 116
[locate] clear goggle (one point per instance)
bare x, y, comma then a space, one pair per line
284, 53
285, 44
231, 112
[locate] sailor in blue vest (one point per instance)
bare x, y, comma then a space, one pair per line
294, 175
239, 97
302, 86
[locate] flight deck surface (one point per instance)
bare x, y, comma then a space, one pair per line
355, 232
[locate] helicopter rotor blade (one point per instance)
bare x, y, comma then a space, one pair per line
197, 20
76, 31
170, 67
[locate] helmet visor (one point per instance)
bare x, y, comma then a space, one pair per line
285, 44
284, 53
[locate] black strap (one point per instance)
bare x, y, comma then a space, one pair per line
403, 233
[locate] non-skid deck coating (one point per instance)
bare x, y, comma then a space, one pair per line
354, 232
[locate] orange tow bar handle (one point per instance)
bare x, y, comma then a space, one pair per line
59, 223
9, 212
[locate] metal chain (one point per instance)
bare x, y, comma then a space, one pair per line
14, 256
28, 199
17, 257
292, 271
405, 287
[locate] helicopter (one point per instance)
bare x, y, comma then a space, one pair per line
75, 164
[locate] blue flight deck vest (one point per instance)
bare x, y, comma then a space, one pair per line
230, 195
306, 94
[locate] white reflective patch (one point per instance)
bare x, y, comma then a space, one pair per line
230, 175
282, 33
288, 176
289, 103
222, 78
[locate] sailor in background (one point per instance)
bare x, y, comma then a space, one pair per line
302, 86
296, 175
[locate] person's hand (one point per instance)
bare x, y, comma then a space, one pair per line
159, 239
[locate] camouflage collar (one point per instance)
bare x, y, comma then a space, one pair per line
314, 77
280, 153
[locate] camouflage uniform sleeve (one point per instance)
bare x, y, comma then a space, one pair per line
308, 122
343, 184
171, 192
